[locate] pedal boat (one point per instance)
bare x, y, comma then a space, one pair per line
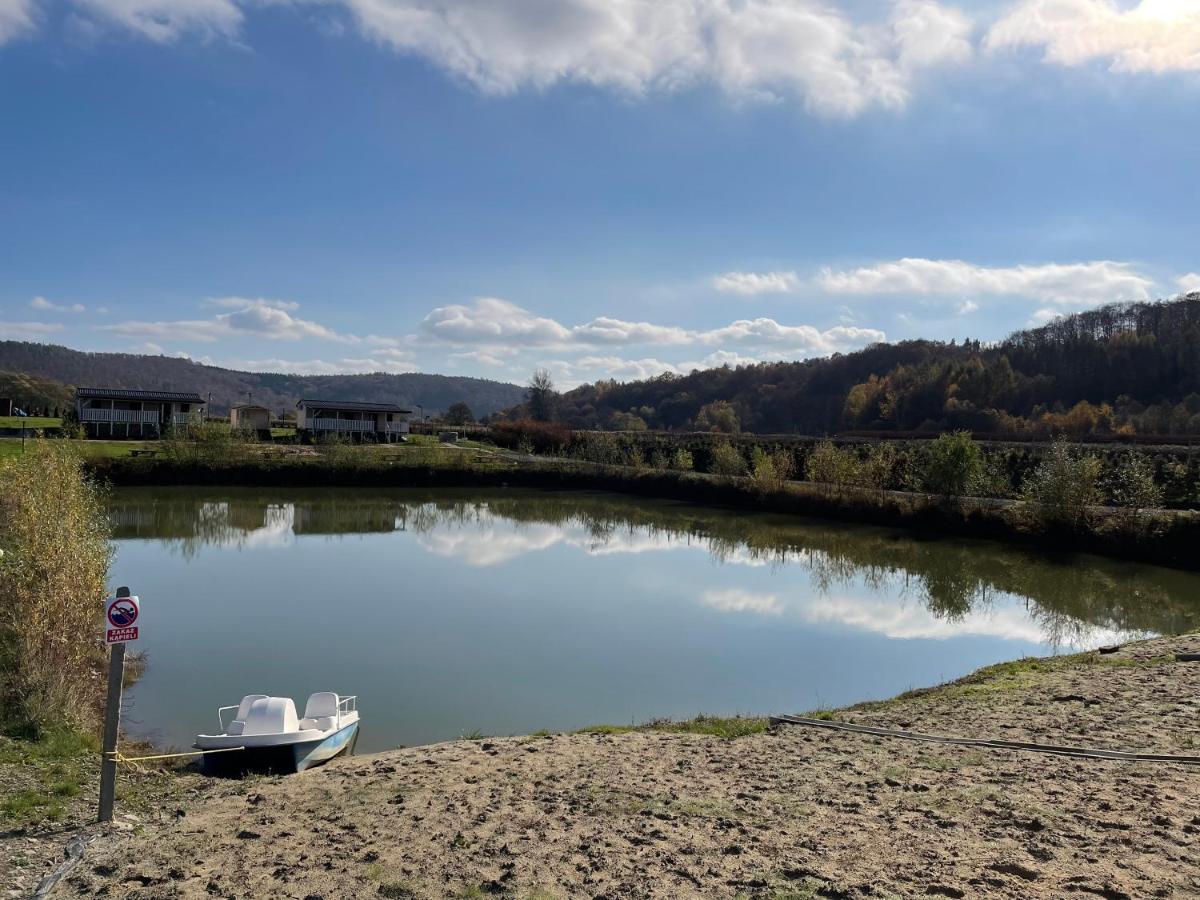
265, 735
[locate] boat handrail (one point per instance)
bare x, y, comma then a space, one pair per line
352, 700
220, 720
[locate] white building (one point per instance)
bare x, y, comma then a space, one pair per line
116, 412
346, 418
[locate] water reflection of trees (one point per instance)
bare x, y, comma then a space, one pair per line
951, 578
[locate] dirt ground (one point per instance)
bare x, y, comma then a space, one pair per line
797, 812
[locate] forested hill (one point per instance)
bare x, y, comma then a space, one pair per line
1120, 368
227, 386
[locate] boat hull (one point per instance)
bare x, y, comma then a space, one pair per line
283, 759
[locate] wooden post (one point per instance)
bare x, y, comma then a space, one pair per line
112, 726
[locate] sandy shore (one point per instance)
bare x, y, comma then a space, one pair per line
795, 813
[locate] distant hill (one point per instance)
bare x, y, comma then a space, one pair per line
1129, 367
227, 386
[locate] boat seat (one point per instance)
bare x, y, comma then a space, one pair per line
271, 715
321, 711
238, 725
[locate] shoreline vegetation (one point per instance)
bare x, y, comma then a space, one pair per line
1063, 497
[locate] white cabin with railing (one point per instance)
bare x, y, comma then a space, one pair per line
117, 412
383, 422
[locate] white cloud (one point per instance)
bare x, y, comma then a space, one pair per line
967, 307
348, 366
165, 21
490, 320
498, 323
46, 306
751, 283
750, 48
268, 319
1188, 283
626, 369
738, 600
16, 19
1067, 284
805, 339
27, 331
1149, 36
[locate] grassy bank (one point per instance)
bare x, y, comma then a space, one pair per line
1162, 537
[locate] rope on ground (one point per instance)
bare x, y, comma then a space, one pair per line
119, 757
1077, 752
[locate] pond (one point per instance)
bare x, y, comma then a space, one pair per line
505, 612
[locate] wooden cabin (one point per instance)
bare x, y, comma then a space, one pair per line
250, 417
121, 413
382, 422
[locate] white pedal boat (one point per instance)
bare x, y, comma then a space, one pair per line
265, 734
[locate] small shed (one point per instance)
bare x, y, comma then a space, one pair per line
250, 416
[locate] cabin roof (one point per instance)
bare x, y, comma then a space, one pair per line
89, 393
355, 405
250, 406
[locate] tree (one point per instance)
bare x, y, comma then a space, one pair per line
1063, 486
541, 396
726, 461
953, 465
459, 414
718, 416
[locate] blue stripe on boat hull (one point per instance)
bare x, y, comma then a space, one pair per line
285, 758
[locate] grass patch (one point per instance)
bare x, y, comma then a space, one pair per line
30, 422
55, 769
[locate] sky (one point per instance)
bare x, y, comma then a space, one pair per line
603, 188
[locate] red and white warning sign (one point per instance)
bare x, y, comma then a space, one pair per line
121, 616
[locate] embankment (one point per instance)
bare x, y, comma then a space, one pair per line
1162, 537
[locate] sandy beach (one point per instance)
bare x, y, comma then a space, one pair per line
794, 812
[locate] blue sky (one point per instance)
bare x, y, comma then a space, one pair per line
607, 188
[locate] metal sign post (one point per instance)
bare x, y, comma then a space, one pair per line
120, 615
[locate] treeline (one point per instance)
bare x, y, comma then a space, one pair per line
1120, 369
1167, 477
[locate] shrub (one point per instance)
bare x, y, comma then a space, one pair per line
1130, 485
771, 471
828, 464
682, 461
726, 461
658, 460
54, 537
544, 437
876, 471
1063, 486
952, 466
600, 447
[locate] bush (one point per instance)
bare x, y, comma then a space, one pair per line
952, 466
771, 471
726, 461
1130, 485
543, 437
54, 537
829, 464
1063, 486
682, 461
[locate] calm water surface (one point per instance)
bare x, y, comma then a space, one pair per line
510, 611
